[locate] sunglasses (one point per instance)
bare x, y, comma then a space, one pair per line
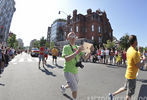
73, 36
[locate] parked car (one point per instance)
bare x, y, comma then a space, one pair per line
35, 52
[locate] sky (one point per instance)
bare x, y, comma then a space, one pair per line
33, 17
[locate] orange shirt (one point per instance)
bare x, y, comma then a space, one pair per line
54, 52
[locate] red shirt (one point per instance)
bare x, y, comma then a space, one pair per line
42, 51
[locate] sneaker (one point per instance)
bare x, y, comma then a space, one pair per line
110, 96
63, 89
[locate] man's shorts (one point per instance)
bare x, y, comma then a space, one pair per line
130, 86
41, 57
72, 80
54, 57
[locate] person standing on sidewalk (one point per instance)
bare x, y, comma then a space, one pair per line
71, 53
41, 55
54, 54
46, 55
133, 65
107, 55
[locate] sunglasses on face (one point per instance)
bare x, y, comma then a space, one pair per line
73, 36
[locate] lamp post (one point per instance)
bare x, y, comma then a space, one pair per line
62, 12
67, 19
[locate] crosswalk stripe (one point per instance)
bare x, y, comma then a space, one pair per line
28, 58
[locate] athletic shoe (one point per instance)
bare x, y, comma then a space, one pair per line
110, 96
63, 89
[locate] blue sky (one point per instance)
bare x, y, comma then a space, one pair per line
125, 16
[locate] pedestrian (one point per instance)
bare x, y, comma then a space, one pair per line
46, 55
115, 56
6, 56
111, 56
107, 55
0, 61
139, 51
102, 55
133, 65
71, 53
54, 55
118, 58
124, 57
41, 55
3, 60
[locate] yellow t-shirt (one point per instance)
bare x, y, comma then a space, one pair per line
132, 59
54, 52
139, 53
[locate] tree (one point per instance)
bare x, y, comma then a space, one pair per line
124, 42
47, 44
42, 41
145, 48
16, 45
36, 44
12, 42
52, 44
109, 44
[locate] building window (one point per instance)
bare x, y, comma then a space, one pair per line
99, 29
77, 19
110, 34
71, 29
92, 28
76, 28
100, 39
85, 29
98, 19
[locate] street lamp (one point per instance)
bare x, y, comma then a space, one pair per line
62, 12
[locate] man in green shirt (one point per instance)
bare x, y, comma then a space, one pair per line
71, 53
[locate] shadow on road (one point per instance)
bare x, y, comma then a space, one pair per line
142, 93
142, 80
115, 66
2, 84
67, 96
50, 66
47, 72
61, 67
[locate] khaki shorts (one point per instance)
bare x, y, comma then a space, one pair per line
130, 86
72, 80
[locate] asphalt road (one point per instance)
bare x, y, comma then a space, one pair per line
22, 80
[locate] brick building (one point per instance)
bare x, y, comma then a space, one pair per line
93, 26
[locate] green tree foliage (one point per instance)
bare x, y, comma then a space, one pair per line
36, 44
52, 44
16, 45
42, 41
12, 42
109, 44
47, 44
124, 42
145, 48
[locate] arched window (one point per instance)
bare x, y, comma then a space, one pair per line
92, 28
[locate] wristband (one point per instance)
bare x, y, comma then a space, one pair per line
77, 52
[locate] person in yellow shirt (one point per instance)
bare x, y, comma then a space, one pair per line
54, 54
133, 65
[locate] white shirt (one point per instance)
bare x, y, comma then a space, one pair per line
107, 52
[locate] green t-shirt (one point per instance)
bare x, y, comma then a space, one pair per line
70, 65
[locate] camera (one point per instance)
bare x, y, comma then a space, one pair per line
79, 64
